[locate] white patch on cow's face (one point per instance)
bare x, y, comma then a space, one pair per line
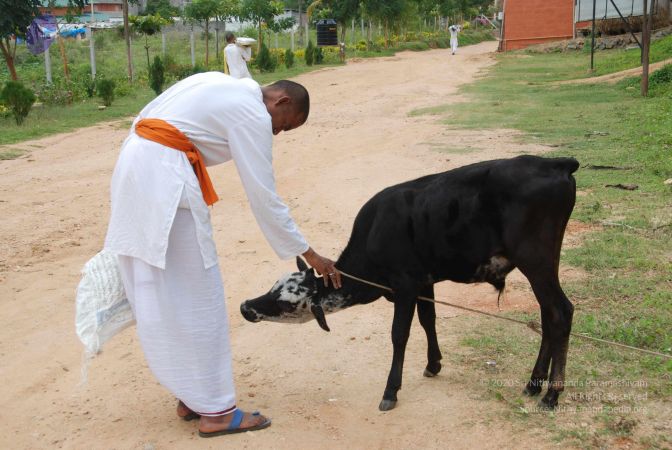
290, 300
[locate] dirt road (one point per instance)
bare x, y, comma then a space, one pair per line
321, 390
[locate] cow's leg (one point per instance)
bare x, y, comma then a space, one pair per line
404, 308
540, 370
427, 316
557, 313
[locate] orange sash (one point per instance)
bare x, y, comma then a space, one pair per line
163, 133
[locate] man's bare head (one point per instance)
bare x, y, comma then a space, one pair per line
288, 103
230, 37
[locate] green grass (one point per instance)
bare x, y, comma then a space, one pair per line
627, 252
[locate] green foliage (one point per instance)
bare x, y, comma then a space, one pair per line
318, 55
289, 58
265, 62
105, 88
161, 8
147, 25
310, 53
414, 45
157, 75
661, 76
18, 98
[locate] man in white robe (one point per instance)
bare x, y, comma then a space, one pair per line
161, 231
236, 57
454, 30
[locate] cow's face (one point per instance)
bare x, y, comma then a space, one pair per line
292, 299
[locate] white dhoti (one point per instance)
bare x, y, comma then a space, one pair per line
182, 321
453, 44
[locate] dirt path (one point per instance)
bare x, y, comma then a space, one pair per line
322, 390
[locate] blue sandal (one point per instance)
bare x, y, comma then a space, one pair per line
234, 426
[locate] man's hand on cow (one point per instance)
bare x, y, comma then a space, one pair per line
323, 266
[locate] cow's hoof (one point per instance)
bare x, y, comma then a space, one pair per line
532, 388
550, 400
432, 370
386, 405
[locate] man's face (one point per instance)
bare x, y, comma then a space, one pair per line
283, 115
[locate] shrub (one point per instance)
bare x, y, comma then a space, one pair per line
361, 46
18, 98
661, 76
105, 89
289, 58
279, 55
265, 62
54, 94
157, 75
310, 49
318, 55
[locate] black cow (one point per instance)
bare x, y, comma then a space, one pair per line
472, 224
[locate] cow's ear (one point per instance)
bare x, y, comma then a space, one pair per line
301, 264
318, 312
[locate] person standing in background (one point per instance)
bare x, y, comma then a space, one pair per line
454, 29
236, 57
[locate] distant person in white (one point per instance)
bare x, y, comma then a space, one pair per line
161, 232
237, 57
454, 29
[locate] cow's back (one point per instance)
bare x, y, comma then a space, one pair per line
450, 225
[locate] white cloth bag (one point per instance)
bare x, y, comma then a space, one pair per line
102, 309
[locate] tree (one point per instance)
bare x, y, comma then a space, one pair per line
148, 26
227, 10
162, 8
202, 11
264, 12
14, 22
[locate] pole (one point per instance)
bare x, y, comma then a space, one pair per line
47, 62
127, 38
592, 39
291, 38
92, 50
191, 42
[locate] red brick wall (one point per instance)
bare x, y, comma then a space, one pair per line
528, 22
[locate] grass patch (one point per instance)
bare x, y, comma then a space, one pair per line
627, 295
11, 153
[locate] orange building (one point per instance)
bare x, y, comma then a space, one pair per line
529, 22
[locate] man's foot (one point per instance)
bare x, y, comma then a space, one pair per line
236, 422
184, 413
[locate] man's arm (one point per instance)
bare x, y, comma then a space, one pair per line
251, 148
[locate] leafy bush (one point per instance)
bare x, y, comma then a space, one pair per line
318, 55
310, 52
18, 98
278, 54
105, 89
361, 46
289, 58
661, 76
265, 62
157, 75
55, 94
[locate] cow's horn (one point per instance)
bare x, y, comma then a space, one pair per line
301, 264
318, 312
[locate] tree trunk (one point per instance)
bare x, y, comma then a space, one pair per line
5, 46
217, 40
147, 51
260, 37
64, 57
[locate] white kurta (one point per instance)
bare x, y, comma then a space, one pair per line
226, 119
160, 229
453, 37
236, 58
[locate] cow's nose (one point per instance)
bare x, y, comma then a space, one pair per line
248, 314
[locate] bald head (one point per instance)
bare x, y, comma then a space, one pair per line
288, 103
